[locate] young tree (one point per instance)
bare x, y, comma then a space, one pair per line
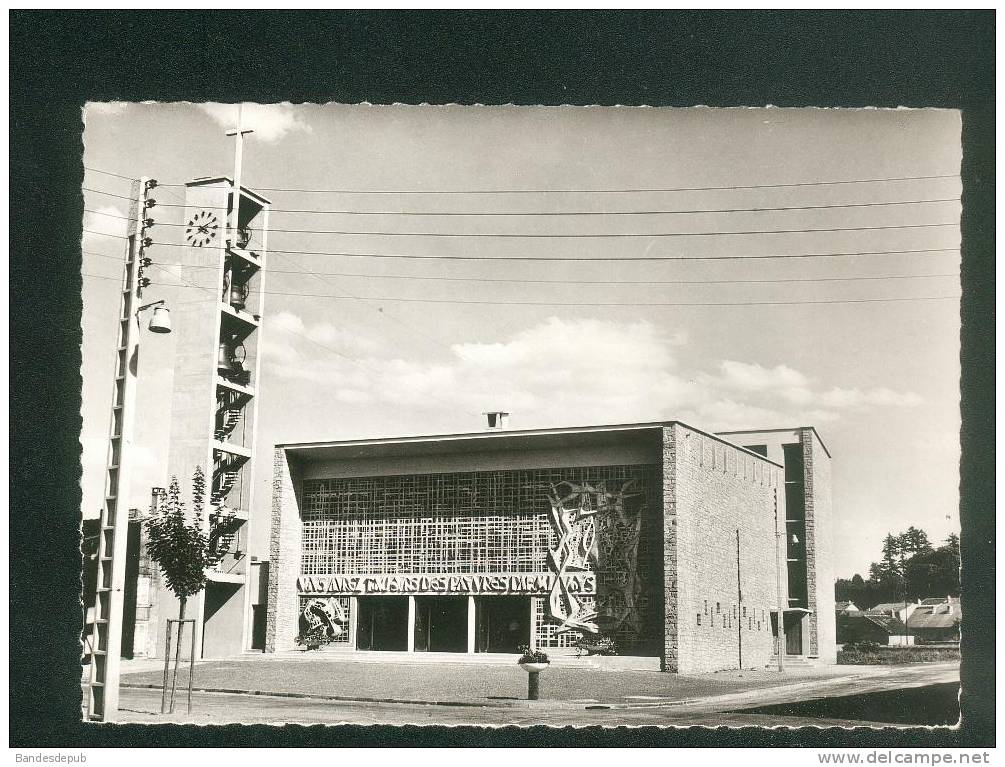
184, 549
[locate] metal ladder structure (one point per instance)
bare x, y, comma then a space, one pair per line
102, 684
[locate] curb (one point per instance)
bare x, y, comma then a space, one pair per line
360, 699
516, 703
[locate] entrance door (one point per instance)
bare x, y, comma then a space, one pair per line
793, 634
441, 624
382, 623
503, 623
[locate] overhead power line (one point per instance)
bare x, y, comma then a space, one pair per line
553, 235
726, 187
524, 281
576, 303
349, 358
573, 259
604, 235
475, 214
387, 316
621, 303
595, 235
353, 360
109, 173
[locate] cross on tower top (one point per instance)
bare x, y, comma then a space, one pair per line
238, 134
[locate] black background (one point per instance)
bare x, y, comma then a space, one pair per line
751, 58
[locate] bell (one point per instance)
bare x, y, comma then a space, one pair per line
160, 321
238, 294
243, 237
225, 363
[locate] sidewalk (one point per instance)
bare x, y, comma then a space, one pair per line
488, 685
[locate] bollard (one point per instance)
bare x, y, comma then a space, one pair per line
533, 685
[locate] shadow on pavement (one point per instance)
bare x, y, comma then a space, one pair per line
929, 705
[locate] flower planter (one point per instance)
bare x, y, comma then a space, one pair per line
534, 667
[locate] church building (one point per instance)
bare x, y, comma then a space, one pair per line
678, 547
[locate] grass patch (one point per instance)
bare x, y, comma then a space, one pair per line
884, 656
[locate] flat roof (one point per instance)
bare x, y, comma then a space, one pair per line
206, 180
495, 439
793, 428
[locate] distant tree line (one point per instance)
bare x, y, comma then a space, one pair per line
910, 569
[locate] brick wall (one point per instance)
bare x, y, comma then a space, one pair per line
711, 491
284, 558
819, 553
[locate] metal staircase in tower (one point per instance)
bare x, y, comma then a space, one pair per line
226, 419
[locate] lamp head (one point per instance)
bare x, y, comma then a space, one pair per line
160, 321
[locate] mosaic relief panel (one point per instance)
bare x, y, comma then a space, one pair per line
328, 614
560, 521
597, 527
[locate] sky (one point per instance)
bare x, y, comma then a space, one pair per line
707, 331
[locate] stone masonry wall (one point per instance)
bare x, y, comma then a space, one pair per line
819, 551
284, 558
671, 656
718, 599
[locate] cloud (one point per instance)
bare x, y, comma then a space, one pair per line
850, 398
729, 415
280, 345
753, 378
561, 372
270, 122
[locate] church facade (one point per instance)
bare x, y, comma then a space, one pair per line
669, 544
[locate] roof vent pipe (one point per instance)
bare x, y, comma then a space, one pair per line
496, 420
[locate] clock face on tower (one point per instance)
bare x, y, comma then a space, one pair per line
201, 228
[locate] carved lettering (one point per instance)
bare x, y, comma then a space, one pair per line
483, 583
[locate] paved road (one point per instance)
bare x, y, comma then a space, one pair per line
731, 709
494, 683
213, 708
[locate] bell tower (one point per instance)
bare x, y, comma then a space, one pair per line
214, 400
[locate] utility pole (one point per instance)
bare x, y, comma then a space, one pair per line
778, 581
106, 639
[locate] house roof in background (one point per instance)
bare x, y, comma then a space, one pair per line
940, 616
886, 607
888, 623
